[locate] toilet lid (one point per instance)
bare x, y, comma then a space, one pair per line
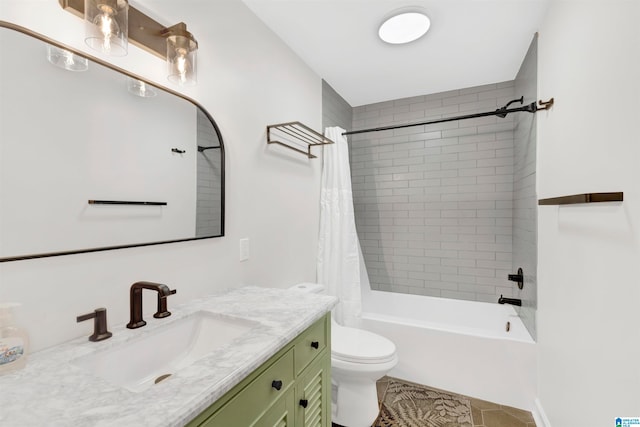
358, 346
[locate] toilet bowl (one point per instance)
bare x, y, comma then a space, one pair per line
358, 359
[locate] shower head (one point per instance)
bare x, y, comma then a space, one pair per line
503, 115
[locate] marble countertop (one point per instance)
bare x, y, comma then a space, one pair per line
52, 391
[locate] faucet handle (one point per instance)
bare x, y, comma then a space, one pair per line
518, 278
99, 316
162, 304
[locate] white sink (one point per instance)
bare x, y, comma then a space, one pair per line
138, 364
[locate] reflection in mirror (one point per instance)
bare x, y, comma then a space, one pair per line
67, 138
209, 190
66, 59
140, 88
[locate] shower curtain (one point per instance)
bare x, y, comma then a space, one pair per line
339, 253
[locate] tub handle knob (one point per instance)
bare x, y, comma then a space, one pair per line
518, 278
277, 384
315, 344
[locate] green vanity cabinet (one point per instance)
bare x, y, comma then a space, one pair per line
313, 400
290, 389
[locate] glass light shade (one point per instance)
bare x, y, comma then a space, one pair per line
404, 27
181, 59
140, 88
64, 59
106, 26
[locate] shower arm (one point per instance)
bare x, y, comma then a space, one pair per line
500, 112
201, 148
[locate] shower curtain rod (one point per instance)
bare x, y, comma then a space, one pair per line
500, 112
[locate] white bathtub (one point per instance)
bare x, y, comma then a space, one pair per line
455, 345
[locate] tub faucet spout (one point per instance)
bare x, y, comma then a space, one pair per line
512, 301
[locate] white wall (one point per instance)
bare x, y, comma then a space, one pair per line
589, 292
247, 79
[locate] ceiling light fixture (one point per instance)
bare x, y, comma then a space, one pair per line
404, 27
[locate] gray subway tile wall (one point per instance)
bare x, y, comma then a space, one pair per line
434, 204
449, 209
335, 110
209, 188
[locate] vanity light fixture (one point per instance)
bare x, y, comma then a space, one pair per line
106, 26
65, 59
140, 88
176, 45
404, 26
181, 55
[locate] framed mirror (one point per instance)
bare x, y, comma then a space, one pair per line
98, 159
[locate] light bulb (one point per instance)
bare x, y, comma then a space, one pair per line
143, 89
107, 24
68, 59
106, 28
182, 65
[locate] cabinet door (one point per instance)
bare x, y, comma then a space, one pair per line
281, 414
251, 402
313, 394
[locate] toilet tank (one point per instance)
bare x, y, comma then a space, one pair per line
312, 288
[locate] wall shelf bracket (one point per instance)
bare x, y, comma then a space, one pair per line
297, 137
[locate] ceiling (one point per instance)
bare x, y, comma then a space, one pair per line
470, 43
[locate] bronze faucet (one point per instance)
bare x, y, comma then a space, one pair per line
135, 302
99, 316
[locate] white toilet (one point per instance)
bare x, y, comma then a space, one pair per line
358, 359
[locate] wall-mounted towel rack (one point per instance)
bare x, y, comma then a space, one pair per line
124, 202
297, 137
583, 198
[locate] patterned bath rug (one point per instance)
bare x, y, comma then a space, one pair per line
406, 404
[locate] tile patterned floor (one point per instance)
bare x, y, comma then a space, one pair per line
487, 414
482, 413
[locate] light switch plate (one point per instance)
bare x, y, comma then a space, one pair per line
244, 249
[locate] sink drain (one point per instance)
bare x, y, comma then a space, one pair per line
161, 378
